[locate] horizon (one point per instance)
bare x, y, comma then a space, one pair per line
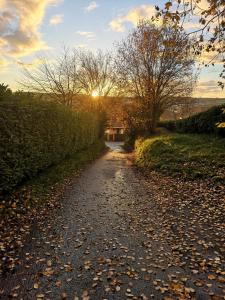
31, 30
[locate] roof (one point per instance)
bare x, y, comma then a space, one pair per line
115, 124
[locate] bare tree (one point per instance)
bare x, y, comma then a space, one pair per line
58, 79
73, 74
155, 67
96, 73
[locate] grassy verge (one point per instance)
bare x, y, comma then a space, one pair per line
35, 192
43, 184
189, 155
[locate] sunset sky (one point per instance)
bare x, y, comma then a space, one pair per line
33, 28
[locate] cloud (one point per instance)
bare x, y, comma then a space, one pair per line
92, 6
31, 64
20, 23
208, 83
81, 46
208, 88
87, 34
56, 19
3, 62
133, 16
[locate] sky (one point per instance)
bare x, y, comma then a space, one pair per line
30, 29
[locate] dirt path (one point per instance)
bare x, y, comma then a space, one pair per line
119, 235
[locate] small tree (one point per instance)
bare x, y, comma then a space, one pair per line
5, 92
155, 67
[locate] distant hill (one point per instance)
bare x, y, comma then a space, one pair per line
194, 106
209, 102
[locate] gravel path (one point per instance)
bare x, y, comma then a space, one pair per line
120, 235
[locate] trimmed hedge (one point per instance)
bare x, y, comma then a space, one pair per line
204, 122
35, 135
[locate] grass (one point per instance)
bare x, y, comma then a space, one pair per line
192, 156
42, 185
37, 191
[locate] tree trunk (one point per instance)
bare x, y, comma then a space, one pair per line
153, 119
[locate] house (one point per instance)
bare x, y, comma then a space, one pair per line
115, 132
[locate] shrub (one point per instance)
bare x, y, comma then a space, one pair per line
5, 92
35, 135
204, 122
188, 155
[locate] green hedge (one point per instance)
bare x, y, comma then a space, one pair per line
36, 135
188, 155
204, 122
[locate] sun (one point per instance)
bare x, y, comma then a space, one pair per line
94, 94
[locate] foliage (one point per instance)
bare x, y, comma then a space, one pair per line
42, 185
5, 92
208, 27
191, 156
221, 124
25, 96
155, 67
35, 135
37, 190
205, 122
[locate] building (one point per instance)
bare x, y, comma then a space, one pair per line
115, 132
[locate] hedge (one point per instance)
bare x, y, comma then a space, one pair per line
36, 135
204, 122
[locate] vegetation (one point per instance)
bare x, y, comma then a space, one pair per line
208, 27
155, 67
35, 135
34, 192
189, 155
73, 73
5, 92
208, 122
97, 74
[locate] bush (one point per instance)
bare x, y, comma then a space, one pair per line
204, 122
5, 92
35, 135
188, 155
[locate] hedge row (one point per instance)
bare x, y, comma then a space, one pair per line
36, 135
204, 122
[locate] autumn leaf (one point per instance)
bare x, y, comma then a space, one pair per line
168, 5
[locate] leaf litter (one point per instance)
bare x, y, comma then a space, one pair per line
121, 235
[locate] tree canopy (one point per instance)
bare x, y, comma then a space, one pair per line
155, 66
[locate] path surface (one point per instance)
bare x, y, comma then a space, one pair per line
121, 236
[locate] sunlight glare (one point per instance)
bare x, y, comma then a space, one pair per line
94, 94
